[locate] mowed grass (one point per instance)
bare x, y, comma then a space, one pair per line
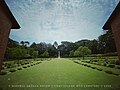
59, 74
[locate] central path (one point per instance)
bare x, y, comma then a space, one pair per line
60, 72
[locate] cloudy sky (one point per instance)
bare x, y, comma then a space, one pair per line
59, 20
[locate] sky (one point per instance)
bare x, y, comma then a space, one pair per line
59, 20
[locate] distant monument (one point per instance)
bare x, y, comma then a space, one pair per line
56, 46
58, 53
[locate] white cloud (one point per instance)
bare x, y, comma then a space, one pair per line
50, 20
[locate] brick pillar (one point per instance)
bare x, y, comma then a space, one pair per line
5, 26
117, 41
3, 43
115, 26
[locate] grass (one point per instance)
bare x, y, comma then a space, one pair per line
59, 74
114, 70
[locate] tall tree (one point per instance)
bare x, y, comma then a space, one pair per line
82, 51
26, 43
22, 42
106, 43
55, 44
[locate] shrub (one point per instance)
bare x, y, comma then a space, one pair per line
24, 66
3, 68
95, 63
95, 60
91, 62
112, 62
3, 73
19, 65
117, 62
111, 65
28, 66
82, 64
19, 69
99, 55
104, 64
25, 63
12, 70
118, 67
39, 62
109, 72
98, 63
116, 74
8, 66
99, 69
88, 66
93, 67
31, 65
85, 64
75, 62
88, 61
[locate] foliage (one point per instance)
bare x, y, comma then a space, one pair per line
111, 65
82, 51
12, 44
46, 73
42, 47
71, 53
106, 43
99, 56
45, 54
76, 53
109, 72
12, 70
3, 73
24, 66
34, 54
99, 69
55, 44
118, 67
117, 62
19, 69
17, 53
93, 67
103, 45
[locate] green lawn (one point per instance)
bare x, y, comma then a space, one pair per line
58, 74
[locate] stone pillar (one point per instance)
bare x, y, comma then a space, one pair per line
5, 26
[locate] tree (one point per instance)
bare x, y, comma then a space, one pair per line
82, 51
66, 47
106, 43
45, 54
26, 43
33, 45
12, 44
55, 44
71, 53
76, 53
22, 42
93, 46
34, 54
18, 53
